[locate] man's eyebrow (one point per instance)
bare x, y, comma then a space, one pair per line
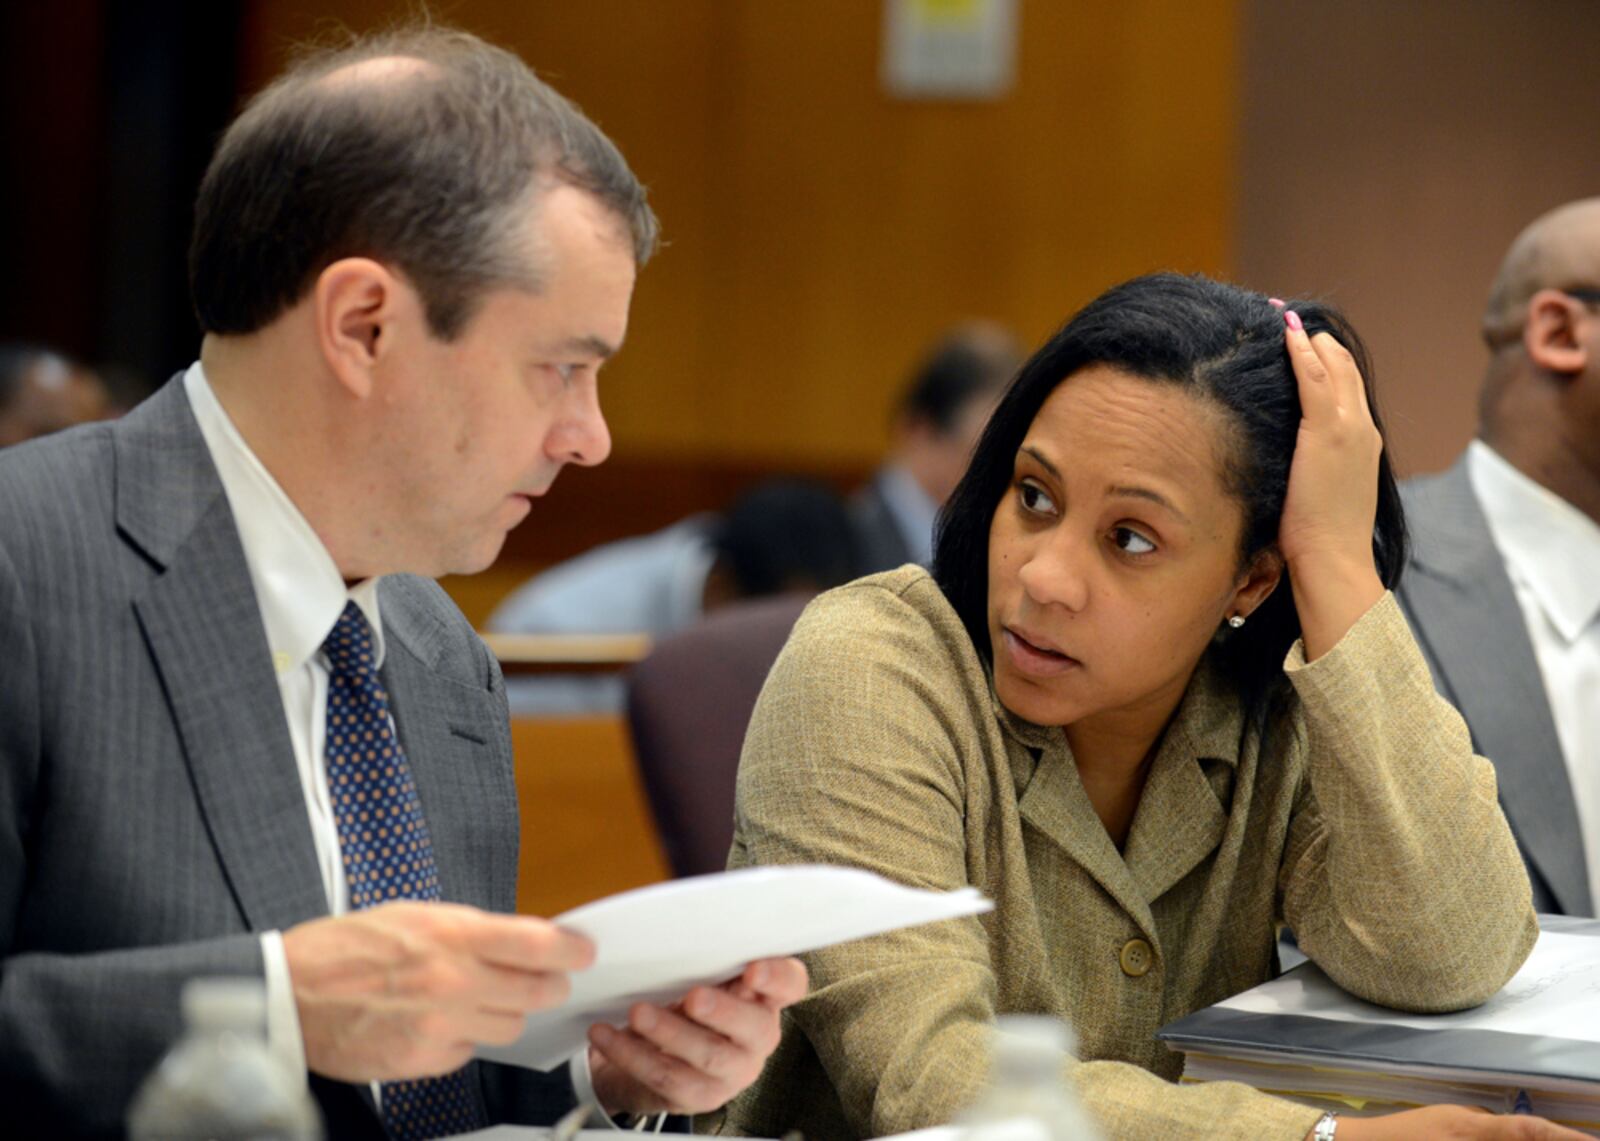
1145, 493
590, 346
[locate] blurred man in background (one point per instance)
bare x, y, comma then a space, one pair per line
937, 423
1504, 591
783, 536
43, 392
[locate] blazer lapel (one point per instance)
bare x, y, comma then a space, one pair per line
204, 631
447, 729
1181, 820
1056, 804
1471, 625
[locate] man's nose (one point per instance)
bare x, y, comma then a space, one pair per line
583, 438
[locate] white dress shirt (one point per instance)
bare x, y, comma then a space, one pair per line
300, 594
1552, 555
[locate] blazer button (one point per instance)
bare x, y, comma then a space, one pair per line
1136, 958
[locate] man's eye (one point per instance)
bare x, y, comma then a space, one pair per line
1034, 498
1129, 540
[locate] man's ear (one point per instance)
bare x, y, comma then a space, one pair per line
354, 305
1257, 582
1552, 332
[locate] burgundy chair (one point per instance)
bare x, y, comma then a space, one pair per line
689, 703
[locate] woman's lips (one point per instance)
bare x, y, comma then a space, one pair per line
1036, 661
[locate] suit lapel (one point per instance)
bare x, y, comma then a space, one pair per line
204, 631
447, 729
1472, 628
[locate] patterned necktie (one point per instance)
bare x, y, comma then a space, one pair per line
383, 838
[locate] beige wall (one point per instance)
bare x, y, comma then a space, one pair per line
1390, 152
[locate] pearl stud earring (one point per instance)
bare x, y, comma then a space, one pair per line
1236, 621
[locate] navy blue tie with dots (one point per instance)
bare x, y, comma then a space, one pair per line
383, 838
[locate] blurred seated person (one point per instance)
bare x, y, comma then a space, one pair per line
43, 392
1155, 700
939, 418
782, 536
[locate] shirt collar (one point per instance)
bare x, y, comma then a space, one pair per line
299, 590
1548, 544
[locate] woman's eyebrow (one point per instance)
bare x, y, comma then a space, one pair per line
1029, 449
1115, 490
1145, 493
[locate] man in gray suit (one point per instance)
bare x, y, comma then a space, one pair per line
241, 731
1504, 588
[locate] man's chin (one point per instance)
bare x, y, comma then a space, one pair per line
476, 559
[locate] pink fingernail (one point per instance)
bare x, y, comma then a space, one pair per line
1276, 301
1293, 319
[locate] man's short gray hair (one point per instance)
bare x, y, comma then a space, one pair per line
428, 167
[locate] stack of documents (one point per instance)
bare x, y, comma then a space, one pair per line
653, 944
1534, 1047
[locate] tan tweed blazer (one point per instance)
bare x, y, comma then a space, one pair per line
1359, 816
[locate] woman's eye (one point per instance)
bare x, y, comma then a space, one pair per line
1034, 498
1131, 542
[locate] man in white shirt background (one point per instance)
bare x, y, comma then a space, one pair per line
241, 732
1504, 590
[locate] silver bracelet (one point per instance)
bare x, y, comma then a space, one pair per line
1325, 1126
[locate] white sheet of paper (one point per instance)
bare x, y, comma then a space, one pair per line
1556, 994
655, 943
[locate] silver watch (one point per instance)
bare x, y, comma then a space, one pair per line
1325, 1126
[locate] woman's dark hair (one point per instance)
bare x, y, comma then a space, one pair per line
1225, 345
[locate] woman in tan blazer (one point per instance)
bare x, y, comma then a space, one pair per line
1154, 700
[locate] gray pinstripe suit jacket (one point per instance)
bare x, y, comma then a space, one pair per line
151, 816
1461, 606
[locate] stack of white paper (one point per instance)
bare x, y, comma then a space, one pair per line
655, 943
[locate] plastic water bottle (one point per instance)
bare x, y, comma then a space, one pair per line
1030, 1097
220, 1082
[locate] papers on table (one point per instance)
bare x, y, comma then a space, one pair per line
655, 943
1556, 994
1301, 1036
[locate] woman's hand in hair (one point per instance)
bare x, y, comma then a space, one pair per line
1325, 535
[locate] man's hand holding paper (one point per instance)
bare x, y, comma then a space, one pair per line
406, 989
